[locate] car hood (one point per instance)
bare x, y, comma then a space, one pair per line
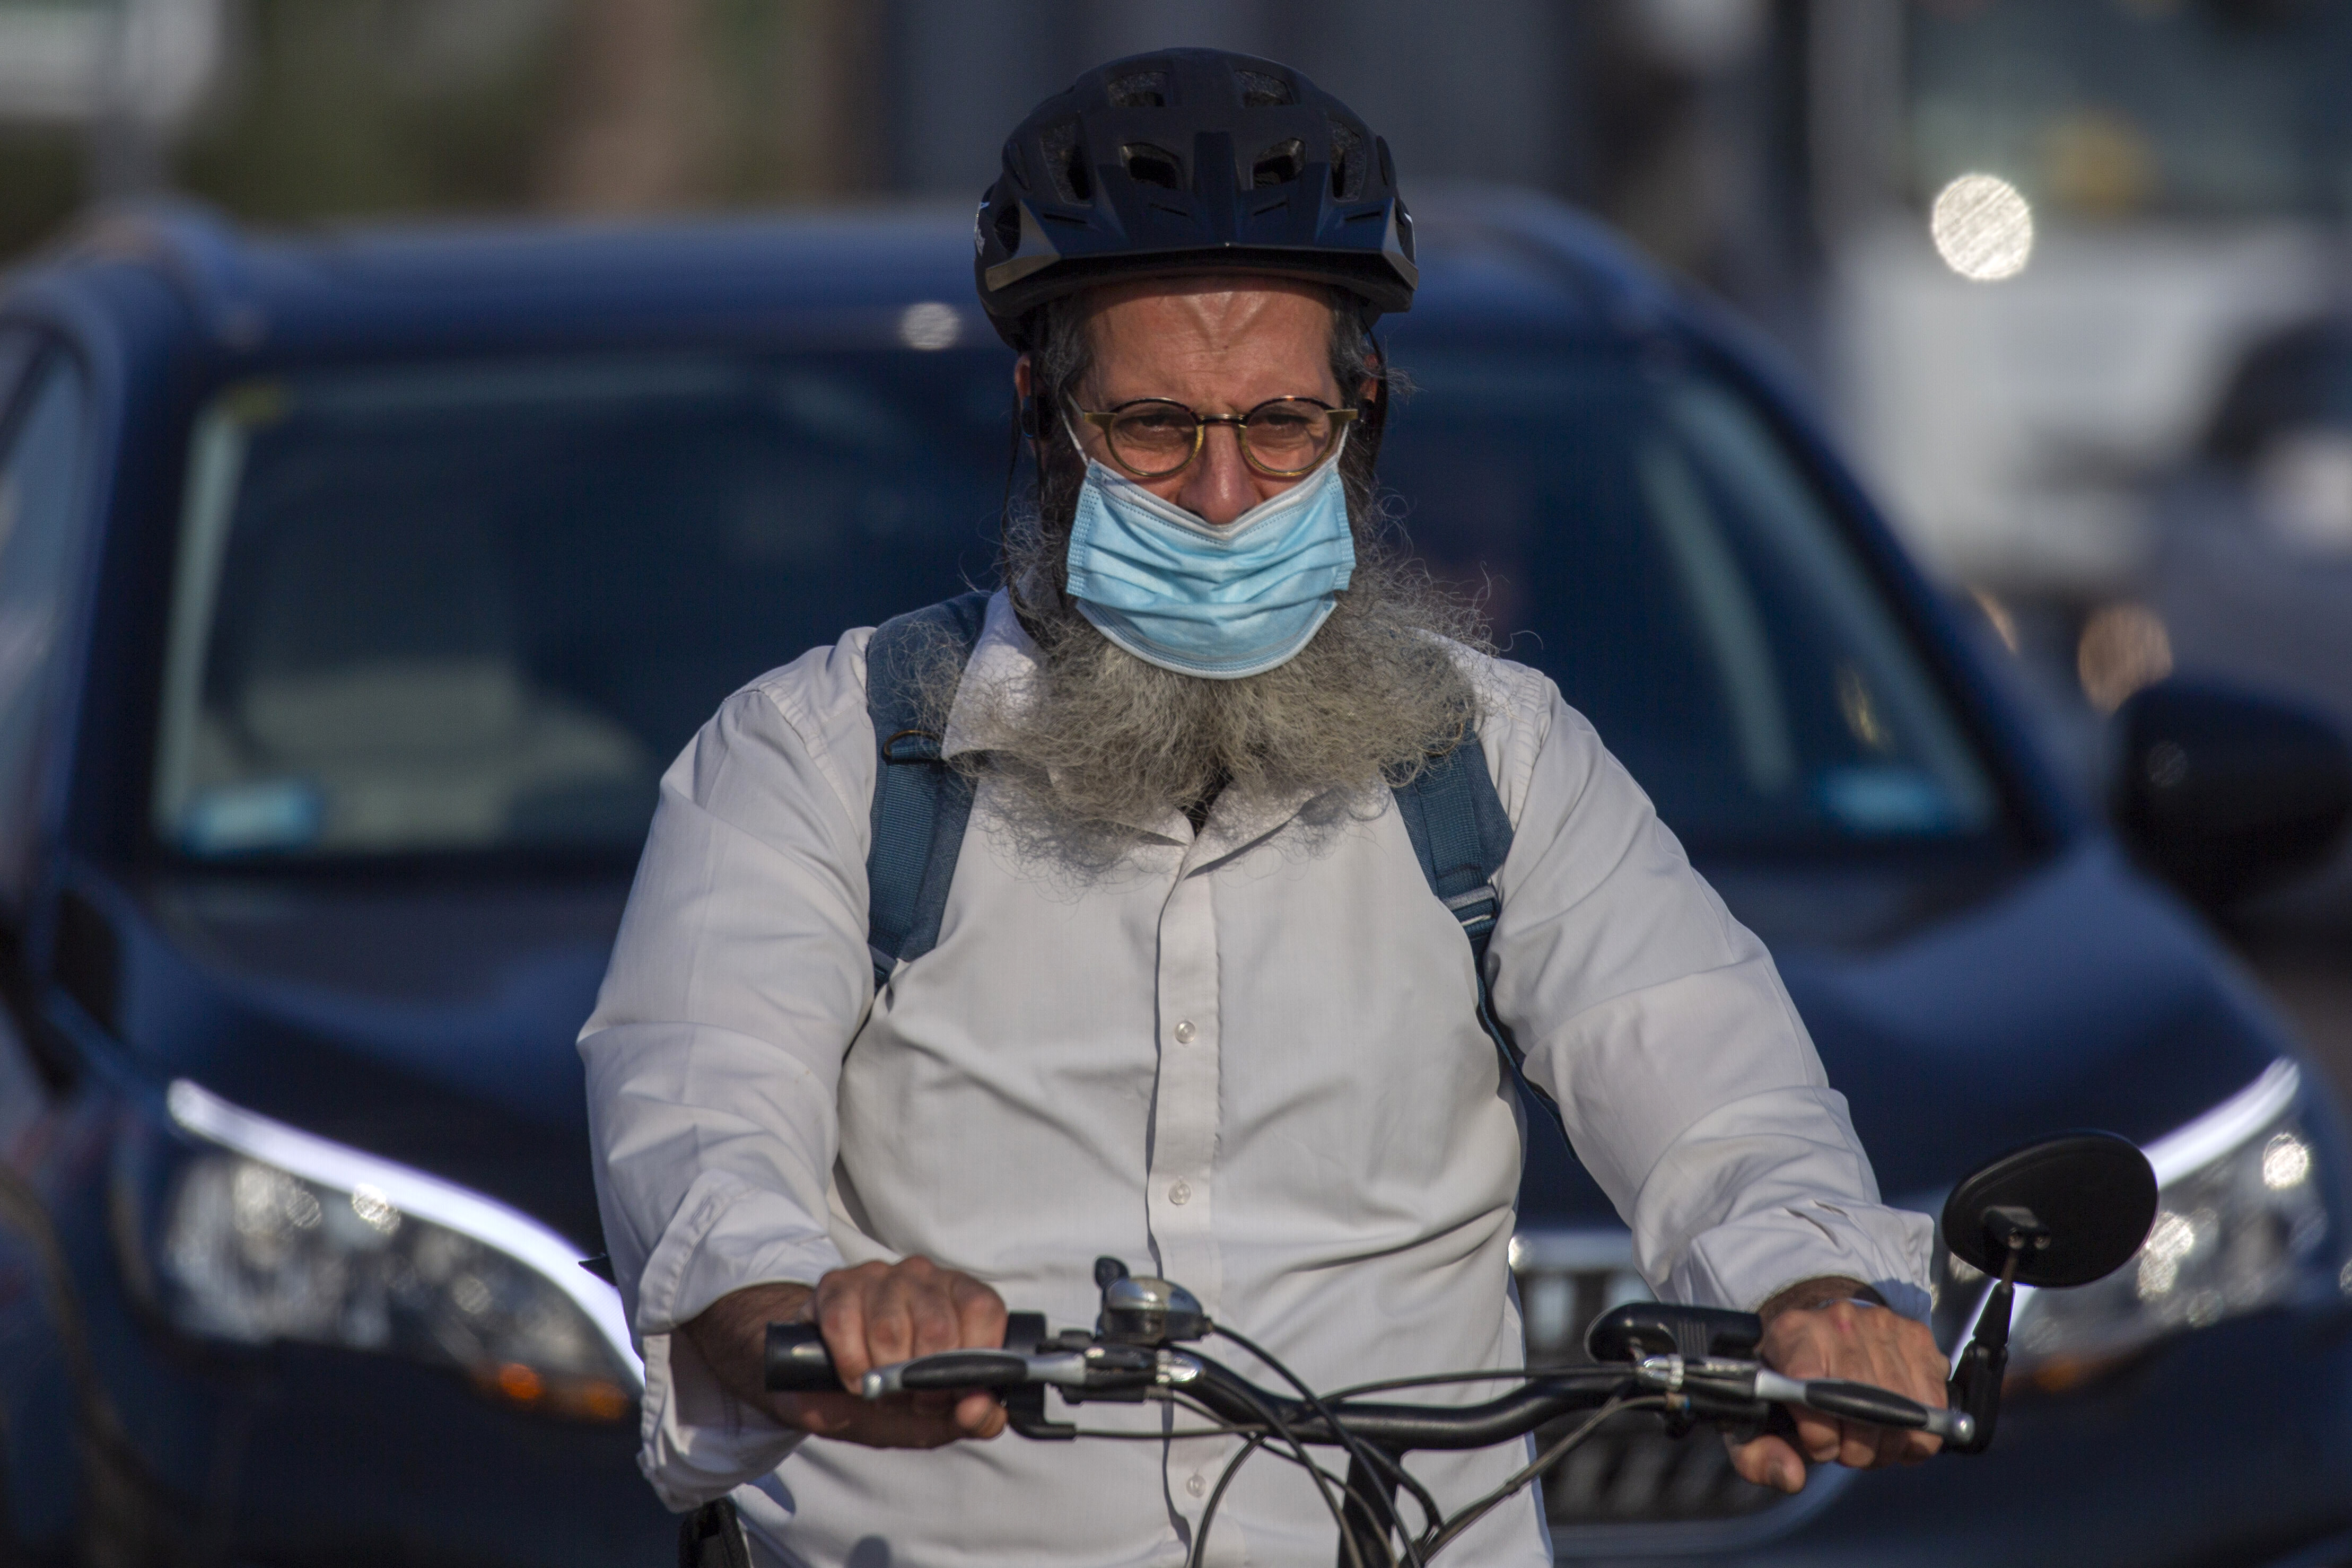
2074, 994
434, 1026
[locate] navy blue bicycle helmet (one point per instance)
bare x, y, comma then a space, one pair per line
1190, 161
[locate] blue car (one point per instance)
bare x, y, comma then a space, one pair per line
355, 589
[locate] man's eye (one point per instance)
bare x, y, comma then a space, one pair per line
1157, 423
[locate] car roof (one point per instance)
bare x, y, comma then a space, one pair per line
843, 276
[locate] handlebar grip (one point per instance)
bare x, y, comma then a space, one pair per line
798, 1362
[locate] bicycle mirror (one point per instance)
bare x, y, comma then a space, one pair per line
2071, 1209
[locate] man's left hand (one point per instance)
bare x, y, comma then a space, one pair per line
1814, 1330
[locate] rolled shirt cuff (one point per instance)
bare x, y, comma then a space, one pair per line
696, 1442
1745, 1263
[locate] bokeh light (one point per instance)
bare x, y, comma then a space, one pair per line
1983, 227
2123, 648
929, 326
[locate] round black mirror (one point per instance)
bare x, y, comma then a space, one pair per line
2079, 1205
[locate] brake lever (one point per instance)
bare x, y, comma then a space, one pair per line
956, 1369
1098, 1368
1863, 1402
1697, 1381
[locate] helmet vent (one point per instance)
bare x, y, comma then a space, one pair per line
1140, 89
1347, 162
1007, 220
1280, 164
1066, 162
1149, 165
1260, 91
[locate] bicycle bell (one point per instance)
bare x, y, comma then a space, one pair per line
1144, 1310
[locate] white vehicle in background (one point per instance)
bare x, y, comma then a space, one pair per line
2057, 231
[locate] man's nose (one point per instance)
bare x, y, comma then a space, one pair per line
1219, 487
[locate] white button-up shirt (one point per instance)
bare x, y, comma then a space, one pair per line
1246, 1059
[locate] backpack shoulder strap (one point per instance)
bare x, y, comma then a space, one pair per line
1461, 834
920, 804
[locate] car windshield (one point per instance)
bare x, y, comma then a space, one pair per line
2104, 108
479, 607
1643, 537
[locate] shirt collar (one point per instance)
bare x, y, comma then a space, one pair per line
1005, 653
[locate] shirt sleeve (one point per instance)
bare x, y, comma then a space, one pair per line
1686, 1082
738, 977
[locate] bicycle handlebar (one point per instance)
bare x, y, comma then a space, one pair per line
798, 1360
1690, 1362
1728, 1390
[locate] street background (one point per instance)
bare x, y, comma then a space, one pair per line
2069, 274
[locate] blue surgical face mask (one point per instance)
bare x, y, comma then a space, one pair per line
1220, 603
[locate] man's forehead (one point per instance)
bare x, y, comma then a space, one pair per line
1164, 319
1215, 293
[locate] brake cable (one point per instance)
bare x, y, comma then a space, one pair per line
1358, 1450
1323, 1484
1461, 1522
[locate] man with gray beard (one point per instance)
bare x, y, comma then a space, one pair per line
1191, 998
1098, 736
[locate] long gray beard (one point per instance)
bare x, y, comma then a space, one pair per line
1097, 740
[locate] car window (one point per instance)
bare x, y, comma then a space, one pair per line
41, 467
1640, 534
481, 608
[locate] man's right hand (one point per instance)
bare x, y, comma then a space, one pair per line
872, 1315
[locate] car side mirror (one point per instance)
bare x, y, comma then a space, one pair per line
2223, 792
2065, 1211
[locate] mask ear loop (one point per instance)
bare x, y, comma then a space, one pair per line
1020, 426
1374, 420
1027, 430
1024, 427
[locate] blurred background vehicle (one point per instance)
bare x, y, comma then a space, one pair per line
2065, 274
2168, 175
2081, 274
361, 586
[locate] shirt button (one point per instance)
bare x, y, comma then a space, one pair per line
1181, 1193
1196, 1486
1185, 1032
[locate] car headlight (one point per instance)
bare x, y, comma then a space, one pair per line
2241, 1217
272, 1234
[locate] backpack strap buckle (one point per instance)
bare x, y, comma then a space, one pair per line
1478, 910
